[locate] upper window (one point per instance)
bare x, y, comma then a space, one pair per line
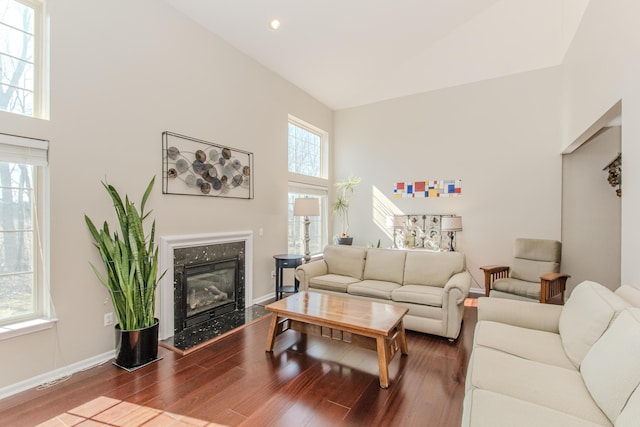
21, 53
306, 149
22, 203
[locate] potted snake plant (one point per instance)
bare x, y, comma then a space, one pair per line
130, 259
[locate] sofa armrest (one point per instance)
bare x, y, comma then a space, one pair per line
305, 272
461, 282
454, 293
531, 315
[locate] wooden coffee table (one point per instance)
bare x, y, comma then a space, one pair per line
372, 325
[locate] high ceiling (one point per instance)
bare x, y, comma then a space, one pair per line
347, 53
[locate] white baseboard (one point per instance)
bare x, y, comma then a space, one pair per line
264, 299
56, 374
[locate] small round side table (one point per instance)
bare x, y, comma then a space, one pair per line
286, 261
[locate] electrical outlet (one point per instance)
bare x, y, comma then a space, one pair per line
273, 274
108, 319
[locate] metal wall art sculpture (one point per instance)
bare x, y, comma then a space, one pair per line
422, 231
615, 173
199, 168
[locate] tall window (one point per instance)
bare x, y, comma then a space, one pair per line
317, 224
22, 203
21, 57
308, 147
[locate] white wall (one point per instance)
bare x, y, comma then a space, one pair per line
501, 137
602, 67
591, 213
123, 72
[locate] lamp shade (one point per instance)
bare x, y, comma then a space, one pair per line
451, 223
306, 207
395, 221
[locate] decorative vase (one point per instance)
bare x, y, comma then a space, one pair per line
345, 240
137, 347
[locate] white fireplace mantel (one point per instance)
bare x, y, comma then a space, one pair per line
164, 304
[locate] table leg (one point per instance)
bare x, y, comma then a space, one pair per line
383, 361
403, 339
279, 290
273, 331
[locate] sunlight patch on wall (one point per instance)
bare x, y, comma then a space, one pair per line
383, 208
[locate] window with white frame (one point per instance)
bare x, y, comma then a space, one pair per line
308, 148
22, 65
23, 269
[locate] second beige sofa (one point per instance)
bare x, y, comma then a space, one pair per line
556, 366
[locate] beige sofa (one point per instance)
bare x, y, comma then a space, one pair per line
546, 365
432, 285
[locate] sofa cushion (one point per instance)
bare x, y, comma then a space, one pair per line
541, 384
611, 369
345, 260
431, 268
373, 288
518, 287
483, 408
586, 315
331, 282
418, 294
530, 344
385, 264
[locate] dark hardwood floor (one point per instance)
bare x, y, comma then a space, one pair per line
233, 381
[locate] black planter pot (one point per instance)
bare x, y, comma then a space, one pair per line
345, 240
137, 347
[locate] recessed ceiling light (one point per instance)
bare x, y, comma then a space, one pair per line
274, 24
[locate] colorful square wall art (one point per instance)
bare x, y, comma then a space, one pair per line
429, 188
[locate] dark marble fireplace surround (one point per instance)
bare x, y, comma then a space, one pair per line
188, 336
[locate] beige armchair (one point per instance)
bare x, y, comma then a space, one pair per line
534, 273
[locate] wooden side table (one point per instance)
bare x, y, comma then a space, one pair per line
286, 261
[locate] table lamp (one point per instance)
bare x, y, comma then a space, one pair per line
451, 224
306, 207
395, 222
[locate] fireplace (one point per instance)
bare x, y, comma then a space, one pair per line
206, 290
